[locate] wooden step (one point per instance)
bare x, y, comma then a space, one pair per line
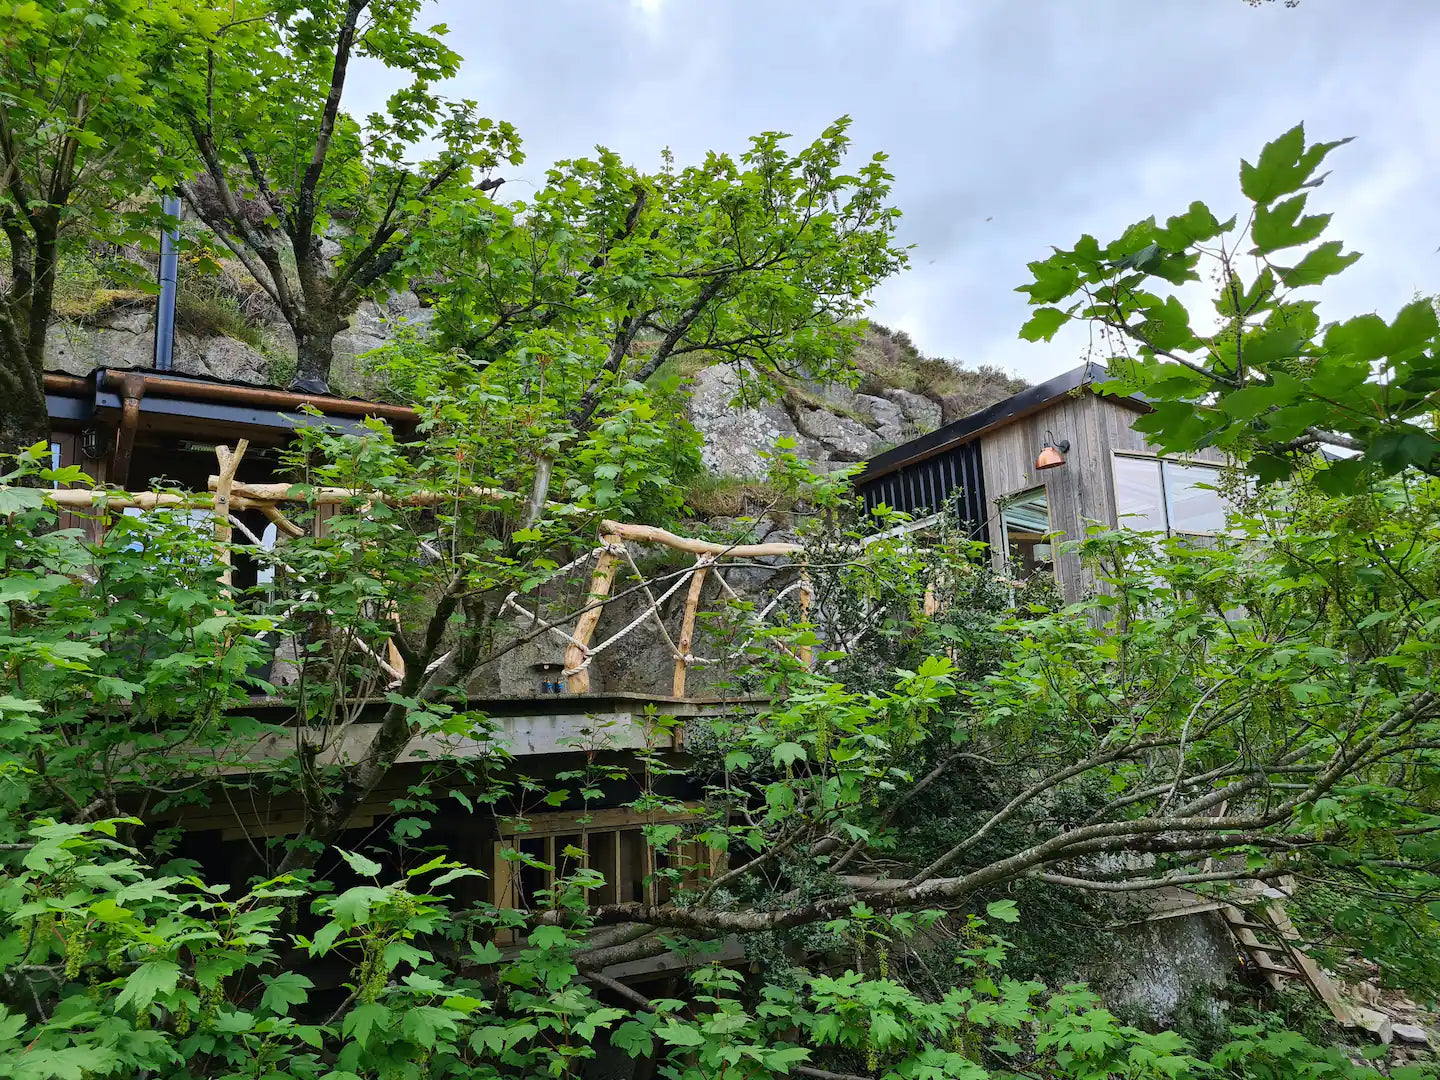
1275, 950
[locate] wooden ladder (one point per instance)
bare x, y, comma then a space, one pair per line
1269, 940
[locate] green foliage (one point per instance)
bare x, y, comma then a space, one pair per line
1267, 381
91, 96
283, 167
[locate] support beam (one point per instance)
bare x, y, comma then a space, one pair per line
687, 625
224, 534
132, 390
651, 534
577, 659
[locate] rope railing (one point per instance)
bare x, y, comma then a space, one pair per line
613, 553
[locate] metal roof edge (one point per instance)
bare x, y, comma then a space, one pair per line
1008, 410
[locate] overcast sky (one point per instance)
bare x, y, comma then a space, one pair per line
1011, 125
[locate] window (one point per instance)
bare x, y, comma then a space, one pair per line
1025, 521
1159, 495
523, 865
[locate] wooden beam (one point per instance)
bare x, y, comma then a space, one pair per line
651, 534
224, 533
807, 595
299, 493
132, 389
576, 655
687, 625
284, 524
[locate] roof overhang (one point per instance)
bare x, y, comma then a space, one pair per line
1008, 411
167, 403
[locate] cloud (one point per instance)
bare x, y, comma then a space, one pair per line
1011, 127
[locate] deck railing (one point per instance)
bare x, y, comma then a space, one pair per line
611, 557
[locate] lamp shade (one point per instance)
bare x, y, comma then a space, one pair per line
1051, 457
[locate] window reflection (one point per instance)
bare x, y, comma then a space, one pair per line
1139, 498
1155, 495
1025, 519
1195, 506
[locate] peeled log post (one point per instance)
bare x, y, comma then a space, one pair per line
687, 626
229, 462
807, 594
576, 656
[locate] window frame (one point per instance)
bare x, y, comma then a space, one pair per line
702, 863
1166, 501
1002, 503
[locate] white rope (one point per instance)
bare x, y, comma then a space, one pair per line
592, 651
757, 620
655, 604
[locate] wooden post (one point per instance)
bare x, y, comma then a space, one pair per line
807, 594
229, 462
687, 626
396, 660
606, 563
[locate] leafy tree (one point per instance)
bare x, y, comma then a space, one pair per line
87, 97
368, 956
284, 169
1215, 715
1266, 381
608, 273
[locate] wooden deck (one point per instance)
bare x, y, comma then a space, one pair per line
525, 727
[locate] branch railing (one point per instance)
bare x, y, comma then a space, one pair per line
578, 635
614, 551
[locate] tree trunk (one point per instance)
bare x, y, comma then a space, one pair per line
24, 419
24, 324
315, 352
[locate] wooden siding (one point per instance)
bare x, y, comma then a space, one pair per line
1080, 492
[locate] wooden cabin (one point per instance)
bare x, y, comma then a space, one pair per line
1041, 467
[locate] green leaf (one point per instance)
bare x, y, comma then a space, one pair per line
145, 983
1003, 911
780, 1060
677, 1034
283, 991
633, 1038
365, 1018
15, 500
548, 937
1396, 450
1195, 226
1284, 166
1044, 324
1054, 280
359, 863
1281, 226
488, 953
788, 752
1323, 262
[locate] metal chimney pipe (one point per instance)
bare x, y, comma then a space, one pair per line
169, 272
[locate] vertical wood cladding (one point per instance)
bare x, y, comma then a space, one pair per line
928, 486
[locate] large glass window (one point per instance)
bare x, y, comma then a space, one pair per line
1140, 494
1157, 495
1025, 519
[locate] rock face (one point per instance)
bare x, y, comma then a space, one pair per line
842, 438
833, 425
1171, 963
126, 339
922, 413
371, 326
735, 434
